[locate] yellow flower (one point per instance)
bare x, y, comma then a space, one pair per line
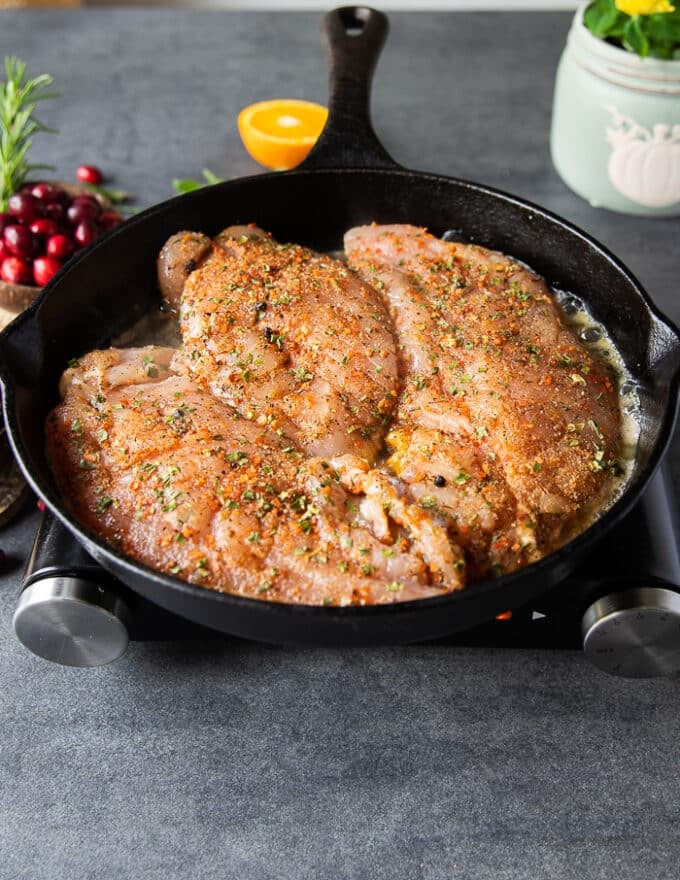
644, 7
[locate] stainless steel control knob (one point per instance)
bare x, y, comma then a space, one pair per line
72, 621
634, 633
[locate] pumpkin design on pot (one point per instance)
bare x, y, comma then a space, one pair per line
644, 165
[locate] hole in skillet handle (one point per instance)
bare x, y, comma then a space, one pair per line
355, 36
354, 19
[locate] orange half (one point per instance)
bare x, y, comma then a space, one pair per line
279, 133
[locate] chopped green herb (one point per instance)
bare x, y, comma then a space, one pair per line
302, 374
104, 503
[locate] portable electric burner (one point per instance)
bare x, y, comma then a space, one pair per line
622, 606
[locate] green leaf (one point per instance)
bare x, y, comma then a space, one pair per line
115, 196
39, 166
663, 28
634, 38
603, 19
185, 186
592, 15
661, 50
189, 185
210, 177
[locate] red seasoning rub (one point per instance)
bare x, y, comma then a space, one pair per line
176, 478
291, 338
392, 429
501, 400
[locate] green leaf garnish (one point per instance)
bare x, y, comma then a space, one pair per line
189, 184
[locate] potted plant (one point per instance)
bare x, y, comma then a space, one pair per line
615, 136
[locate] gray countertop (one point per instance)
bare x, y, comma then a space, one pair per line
232, 760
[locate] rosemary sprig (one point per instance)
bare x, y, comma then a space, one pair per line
18, 124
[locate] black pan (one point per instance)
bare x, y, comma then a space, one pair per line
348, 179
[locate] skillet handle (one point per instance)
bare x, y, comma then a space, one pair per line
355, 36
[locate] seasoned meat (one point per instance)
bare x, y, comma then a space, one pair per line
450, 475
326, 433
291, 339
181, 254
176, 478
501, 400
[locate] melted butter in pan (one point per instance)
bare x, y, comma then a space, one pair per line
594, 335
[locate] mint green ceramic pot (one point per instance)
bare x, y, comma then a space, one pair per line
615, 137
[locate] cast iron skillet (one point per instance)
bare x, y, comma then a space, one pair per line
348, 179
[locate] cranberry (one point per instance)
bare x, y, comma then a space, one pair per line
85, 233
40, 504
45, 192
44, 226
14, 270
19, 240
5, 220
55, 211
23, 206
83, 208
62, 197
87, 199
60, 246
89, 174
4, 253
44, 268
110, 219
